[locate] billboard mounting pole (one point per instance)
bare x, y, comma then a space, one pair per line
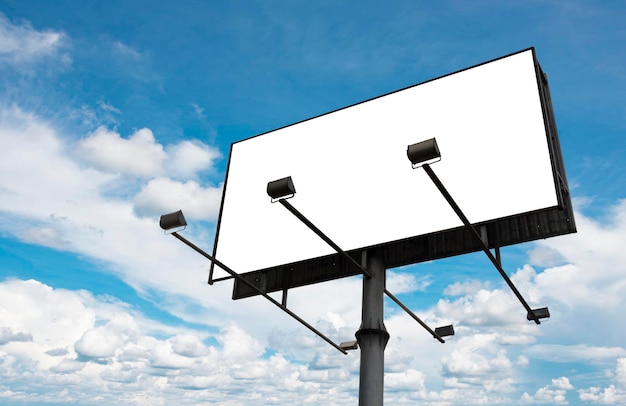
372, 335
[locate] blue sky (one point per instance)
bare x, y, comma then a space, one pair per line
113, 113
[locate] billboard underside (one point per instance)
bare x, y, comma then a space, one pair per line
514, 230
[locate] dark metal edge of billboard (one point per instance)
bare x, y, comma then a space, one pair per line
219, 218
525, 227
507, 231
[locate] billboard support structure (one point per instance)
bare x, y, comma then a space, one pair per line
502, 119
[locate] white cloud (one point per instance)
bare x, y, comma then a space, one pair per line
187, 345
399, 283
108, 344
553, 393
187, 158
611, 395
620, 371
164, 195
607, 396
467, 287
476, 364
574, 353
51, 200
103, 341
139, 155
36, 176
562, 383
409, 380
23, 44
483, 308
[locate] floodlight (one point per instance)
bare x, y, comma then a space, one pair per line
281, 189
423, 152
349, 345
172, 220
541, 313
444, 331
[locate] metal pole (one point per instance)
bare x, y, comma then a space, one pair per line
372, 335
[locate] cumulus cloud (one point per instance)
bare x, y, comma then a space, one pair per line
620, 371
103, 341
409, 380
467, 287
113, 344
399, 283
475, 364
553, 394
164, 195
602, 396
140, 154
187, 158
613, 394
483, 308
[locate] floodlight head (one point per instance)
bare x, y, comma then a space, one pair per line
349, 345
541, 313
281, 189
445, 331
173, 220
423, 152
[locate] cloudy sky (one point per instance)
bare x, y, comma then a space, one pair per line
113, 113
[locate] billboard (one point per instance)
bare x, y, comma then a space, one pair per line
501, 161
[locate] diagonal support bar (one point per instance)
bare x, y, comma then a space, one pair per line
323, 236
478, 239
259, 291
417, 319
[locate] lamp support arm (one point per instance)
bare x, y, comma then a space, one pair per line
259, 291
477, 237
417, 319
323, 236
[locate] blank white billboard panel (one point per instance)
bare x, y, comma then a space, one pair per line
355, 183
